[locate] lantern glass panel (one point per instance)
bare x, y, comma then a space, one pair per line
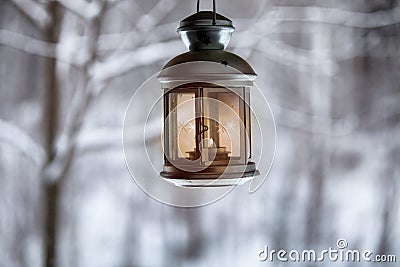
181, 133
222, 113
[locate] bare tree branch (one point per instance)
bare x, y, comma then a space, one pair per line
11, 134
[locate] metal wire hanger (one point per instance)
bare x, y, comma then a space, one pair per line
214, 11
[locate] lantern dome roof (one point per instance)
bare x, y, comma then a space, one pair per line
224, 58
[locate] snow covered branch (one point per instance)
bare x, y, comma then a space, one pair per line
146, 24
129, 40
95, 139
11, 134
82, 8
27, 44
120, 64
35, 11
55, 170
338, 126
337, 16
155, 15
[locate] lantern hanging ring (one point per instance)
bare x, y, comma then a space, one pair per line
214, 11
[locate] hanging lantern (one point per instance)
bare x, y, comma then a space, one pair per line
207, 115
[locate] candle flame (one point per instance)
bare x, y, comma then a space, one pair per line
211, 143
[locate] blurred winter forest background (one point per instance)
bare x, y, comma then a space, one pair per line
330, 70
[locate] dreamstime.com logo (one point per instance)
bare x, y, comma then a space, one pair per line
331, 254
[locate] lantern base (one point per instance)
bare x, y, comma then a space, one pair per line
213, 176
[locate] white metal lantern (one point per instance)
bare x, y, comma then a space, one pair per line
207, 115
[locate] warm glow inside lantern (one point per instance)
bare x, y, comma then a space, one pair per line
207, 115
